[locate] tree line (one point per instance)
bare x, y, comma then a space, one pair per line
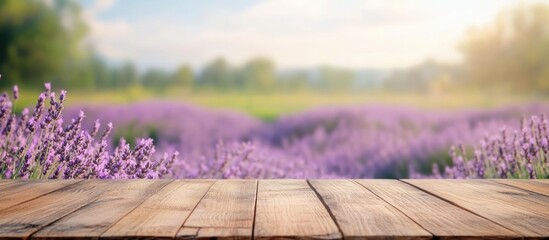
41, 41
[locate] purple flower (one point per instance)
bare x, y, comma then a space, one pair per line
15, 92
41, 146
524, 156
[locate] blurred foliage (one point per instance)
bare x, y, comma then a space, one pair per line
511, 54
428, 77
38, 41
183, 77
43, 42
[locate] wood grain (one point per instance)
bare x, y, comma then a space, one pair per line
226, 210
162, 214
361, 214
4, 183
510, 195
273, 209
534, 186
291, 209
510, 207
19, 191
92, 220
22, 220
442, 219
214, 233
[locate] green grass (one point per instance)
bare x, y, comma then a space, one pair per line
268, 106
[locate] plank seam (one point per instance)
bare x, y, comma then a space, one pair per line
39, 196
255, 207
194, 208
124, 215
457, 205
413, 220
519, 188
327, 208
69, 213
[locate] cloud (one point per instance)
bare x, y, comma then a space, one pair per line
295, 33
107, 36
99, 6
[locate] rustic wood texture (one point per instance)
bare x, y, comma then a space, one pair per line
290, 208
274, 209
360, 213
523, 212
442, 219
22, 191
95, 218
163, 214
534, 186
226, 210
4, 183
20, 221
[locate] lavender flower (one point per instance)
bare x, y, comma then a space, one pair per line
523, 156
40, 146
15, 92
346, 142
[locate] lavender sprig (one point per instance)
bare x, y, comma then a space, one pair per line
40, 146
522, 156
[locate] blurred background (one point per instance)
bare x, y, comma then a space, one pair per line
343, 88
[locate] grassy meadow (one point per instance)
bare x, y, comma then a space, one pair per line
270, 105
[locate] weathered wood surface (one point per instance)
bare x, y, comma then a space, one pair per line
21, 191
22, 220
269, 209
227, 210
95, 218
439, 217
534, 186
290, 208
523, 212
162, 214
359, 212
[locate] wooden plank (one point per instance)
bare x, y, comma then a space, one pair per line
162, 214
361, 214
224, 233
510, 195
19, 191
214, 233
93, 219
442, 219
509, 207
291, 209
227, 210
534, 186
4, 183
22, 220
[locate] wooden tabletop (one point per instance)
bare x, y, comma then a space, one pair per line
244, 209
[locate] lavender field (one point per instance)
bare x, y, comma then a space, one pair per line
342, 142
274, 89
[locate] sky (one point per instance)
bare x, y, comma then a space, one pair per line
381, 34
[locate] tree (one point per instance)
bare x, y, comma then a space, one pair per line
156, 78
183, 77
100, 71
331, 78
216, 74
37, 40
294, 80
124, 76
259, 74
512, 53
